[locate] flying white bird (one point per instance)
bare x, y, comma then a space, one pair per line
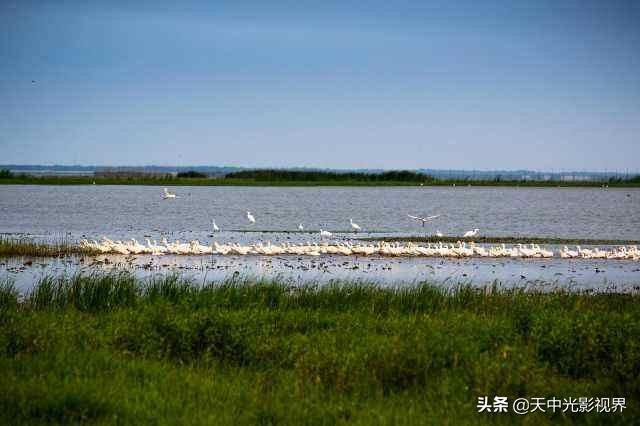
325, 233
354, 226
423, 219
300, 227
168, 194
215, 227
473, 233
251, 218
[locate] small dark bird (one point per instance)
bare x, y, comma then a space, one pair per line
33, 81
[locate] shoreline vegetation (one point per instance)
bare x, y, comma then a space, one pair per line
111, 348
269, 177
29, 247
16, 247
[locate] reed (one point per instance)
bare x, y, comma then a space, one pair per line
95, 292
294, 178
8, 294
30, 247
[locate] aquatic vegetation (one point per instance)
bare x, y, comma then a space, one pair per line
300, 178
112, 348
30, 247
97, 292
8, 294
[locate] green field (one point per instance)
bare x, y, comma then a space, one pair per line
109, 349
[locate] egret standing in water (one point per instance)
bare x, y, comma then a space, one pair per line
300, 227
168, 194
251, 218
325, 233
470, 234
215, 227
354, 226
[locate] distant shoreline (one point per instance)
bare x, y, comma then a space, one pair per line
221, 181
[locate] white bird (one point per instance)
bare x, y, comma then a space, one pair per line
132, 247
424, 219
439, 234
470, 234
168, 194
354, 226
565, 253
215, 227
251, 218
300, 227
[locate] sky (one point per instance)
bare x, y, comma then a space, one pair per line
542, 85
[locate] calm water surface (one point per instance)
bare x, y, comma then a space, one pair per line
135, 211
544, 274
119, 212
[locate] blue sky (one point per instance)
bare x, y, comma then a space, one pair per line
485, 85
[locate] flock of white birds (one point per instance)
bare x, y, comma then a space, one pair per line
460, 249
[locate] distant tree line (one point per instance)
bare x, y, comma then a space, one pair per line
284, 176
192, 174
131, 174
632, 179
274, 175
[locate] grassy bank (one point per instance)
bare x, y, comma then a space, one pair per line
256, 181
29, 247
504, 240
111, 349
171, 181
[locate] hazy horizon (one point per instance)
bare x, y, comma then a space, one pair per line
498, 85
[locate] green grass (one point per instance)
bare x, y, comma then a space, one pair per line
29, 247
505, 240
105, 349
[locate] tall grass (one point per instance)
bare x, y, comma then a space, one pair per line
30, 247
98, 292
115, 349
108, 291
8, 294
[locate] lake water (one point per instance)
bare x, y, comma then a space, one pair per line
545, 274
135, 211
73, 212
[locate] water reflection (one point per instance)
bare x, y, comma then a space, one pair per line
546, 273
